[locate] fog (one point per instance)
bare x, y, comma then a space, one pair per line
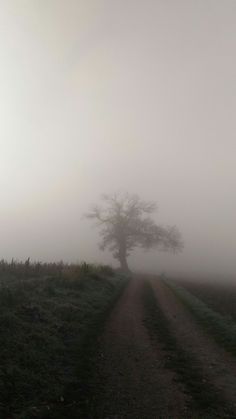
100, 96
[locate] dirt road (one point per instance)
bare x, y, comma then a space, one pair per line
133, 378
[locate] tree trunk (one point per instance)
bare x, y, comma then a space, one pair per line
123, 259
124, 265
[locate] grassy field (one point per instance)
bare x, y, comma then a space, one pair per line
220, 324
220, 297
49, 320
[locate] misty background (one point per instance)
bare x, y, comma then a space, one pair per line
134, 95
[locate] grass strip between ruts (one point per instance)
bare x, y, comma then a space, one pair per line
222, 328
203, 397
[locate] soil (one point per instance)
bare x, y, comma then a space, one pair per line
131, 377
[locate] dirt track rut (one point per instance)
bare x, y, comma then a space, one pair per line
132, 380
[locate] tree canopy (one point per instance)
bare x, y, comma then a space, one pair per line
125, 223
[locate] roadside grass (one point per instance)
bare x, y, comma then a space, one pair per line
219, 296
203, 396
48, 330
222, 328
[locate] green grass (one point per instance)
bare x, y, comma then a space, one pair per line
48, 330
204, 398
222, 328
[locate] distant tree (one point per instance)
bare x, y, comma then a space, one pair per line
125, 224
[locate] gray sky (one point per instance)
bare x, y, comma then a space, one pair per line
106, 95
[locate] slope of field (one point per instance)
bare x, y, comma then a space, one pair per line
47, 331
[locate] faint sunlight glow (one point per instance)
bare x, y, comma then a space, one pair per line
98, 96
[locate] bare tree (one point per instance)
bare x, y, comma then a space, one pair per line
125, 224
